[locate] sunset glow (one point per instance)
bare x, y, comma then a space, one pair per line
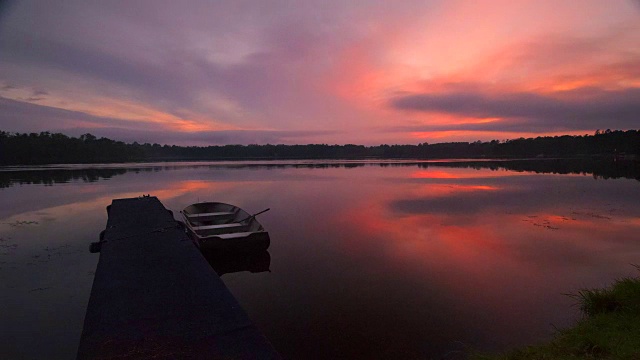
204, 73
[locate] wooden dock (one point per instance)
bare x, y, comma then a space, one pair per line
155, 296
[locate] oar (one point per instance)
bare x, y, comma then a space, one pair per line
254, 215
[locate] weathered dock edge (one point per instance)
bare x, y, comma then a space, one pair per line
155, 296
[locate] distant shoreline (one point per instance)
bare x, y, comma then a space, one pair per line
49, 148
345, 160
61, 173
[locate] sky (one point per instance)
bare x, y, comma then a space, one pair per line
211, 72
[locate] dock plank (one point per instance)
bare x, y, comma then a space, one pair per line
155, 296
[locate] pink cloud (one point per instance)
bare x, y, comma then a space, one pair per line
333, 67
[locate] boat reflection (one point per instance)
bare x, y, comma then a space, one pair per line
254, 262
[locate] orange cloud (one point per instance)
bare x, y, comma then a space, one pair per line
493, 50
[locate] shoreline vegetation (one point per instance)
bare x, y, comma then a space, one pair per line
55, 148
609, 329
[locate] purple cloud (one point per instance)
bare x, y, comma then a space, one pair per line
260, 56
27, 117
573, 110
23, 116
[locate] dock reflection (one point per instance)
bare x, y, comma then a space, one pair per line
255, 262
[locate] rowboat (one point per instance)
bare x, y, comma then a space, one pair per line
220, 227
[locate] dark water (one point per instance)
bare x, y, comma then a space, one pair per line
367, 260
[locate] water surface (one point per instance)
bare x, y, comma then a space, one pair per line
368, 260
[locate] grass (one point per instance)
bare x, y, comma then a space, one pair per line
610, 328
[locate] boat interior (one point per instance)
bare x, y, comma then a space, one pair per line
207, 219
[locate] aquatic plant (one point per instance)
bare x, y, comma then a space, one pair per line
610, 328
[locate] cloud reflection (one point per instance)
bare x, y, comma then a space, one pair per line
418, 257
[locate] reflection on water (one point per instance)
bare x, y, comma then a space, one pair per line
367, 260
50, 174
238, 262
55, 176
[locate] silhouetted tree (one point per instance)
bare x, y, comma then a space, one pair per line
47, 148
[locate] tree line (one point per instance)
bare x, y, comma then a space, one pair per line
51, 148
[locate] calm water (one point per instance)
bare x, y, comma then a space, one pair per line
367, 260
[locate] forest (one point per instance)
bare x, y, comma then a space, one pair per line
56, 148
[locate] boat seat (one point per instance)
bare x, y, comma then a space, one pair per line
235, 235
218, 227
209, 215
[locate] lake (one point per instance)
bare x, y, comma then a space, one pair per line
368, 259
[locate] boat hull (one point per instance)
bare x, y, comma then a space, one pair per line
258, 241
